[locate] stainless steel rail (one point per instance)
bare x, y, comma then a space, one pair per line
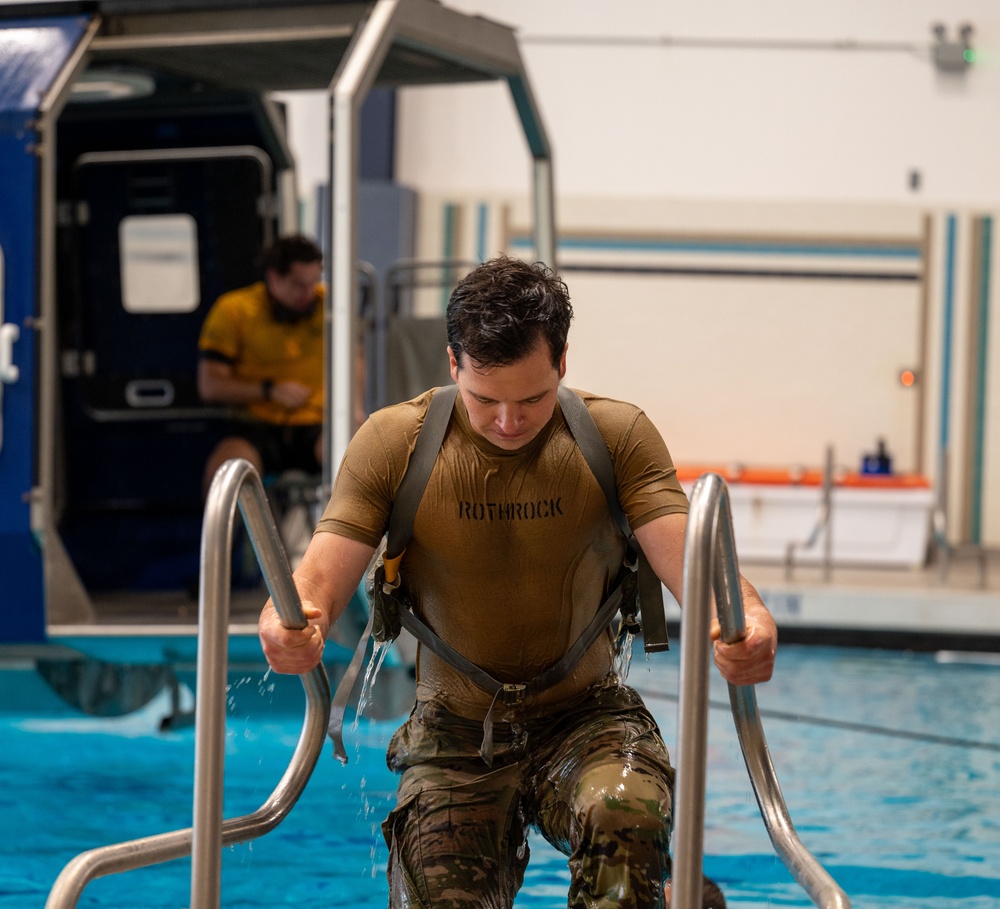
710, 565
235, 484
824, 525
947, 552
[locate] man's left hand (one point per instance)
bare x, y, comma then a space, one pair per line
750, 661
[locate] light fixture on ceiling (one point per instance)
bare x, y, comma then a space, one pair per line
112, 85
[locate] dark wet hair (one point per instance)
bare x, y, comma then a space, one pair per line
286, 251
711, 895
499, 310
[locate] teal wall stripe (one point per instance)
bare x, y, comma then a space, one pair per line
902, 251
982, 371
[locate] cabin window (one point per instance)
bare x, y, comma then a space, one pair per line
159, 263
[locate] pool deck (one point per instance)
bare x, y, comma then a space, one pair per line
925, 608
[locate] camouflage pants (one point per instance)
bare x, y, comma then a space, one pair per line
594, 779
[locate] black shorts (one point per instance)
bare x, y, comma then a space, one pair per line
281, 447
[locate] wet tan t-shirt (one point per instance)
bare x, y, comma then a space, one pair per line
512, 551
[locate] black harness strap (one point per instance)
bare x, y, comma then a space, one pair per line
595, 452
506, 692
404, 511
418, 472
342, 696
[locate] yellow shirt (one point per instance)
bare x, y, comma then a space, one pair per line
512, 552
241, 330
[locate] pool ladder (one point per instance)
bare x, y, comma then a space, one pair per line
710, 566
236, 484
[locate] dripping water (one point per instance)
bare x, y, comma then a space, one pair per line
623, 657
374, 664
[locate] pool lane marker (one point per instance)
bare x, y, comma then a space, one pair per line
842, 724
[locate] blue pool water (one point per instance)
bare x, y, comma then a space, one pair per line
889, 763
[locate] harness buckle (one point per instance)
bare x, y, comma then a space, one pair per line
629, 609
629, 624
512, 693
385, 599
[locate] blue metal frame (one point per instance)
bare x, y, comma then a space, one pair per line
33, 53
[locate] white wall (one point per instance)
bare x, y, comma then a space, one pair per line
655, 119
644, 117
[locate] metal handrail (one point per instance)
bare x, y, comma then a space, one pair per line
371, 328
946, 551
710, 565
410, 268
939, 537
235, 484
824, 525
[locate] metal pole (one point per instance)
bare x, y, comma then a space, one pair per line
710, 564
236, 483
43, 515
375, 365
347, 91
692, 716
979, 389
828, 514
542, 179
210, 703
545, 217
944, 428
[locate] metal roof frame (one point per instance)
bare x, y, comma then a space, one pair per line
346, 48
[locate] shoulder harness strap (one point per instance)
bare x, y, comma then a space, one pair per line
418, 472
404, 511
595, 451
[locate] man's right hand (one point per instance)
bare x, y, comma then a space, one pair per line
292, 395
289, 650
328, 574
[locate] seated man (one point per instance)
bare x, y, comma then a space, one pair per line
261, 350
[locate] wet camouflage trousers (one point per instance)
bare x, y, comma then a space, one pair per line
594, 779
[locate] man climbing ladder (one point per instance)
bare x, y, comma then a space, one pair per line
511, 588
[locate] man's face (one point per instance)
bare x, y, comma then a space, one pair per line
509, 405
296, 290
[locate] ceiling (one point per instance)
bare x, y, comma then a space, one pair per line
264, 46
